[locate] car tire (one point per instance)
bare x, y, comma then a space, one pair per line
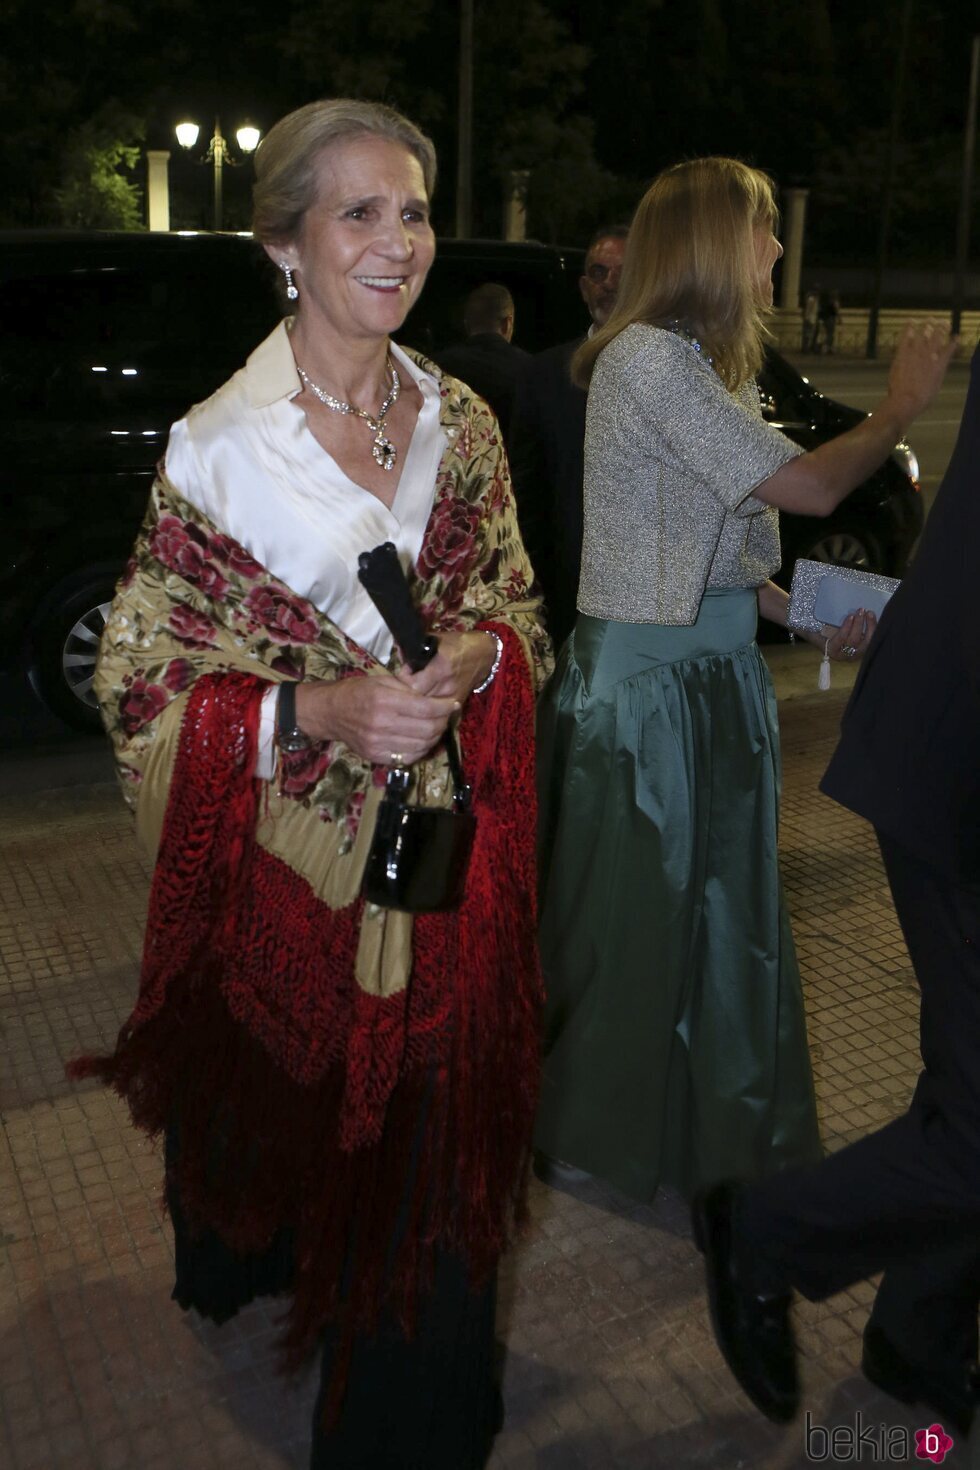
843, 544
65, 643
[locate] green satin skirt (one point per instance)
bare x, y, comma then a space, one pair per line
675, 1041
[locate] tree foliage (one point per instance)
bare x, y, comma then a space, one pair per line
65, 132
528, 85
95, 193
593, 100
529, 88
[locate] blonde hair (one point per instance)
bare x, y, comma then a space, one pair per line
691, 258
285, 163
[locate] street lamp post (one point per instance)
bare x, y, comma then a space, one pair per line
218, 154
464, 124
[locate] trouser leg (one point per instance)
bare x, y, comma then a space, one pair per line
928, 1308
906, 1199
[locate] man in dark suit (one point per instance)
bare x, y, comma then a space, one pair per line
905, 1200
547, 440
488, 361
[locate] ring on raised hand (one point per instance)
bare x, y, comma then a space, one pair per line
848, 651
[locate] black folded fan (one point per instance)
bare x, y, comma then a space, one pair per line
419, 855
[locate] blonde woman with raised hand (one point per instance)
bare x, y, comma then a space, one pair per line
675, 1042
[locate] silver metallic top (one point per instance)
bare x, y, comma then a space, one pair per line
671, 459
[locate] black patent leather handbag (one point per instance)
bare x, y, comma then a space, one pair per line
419, 856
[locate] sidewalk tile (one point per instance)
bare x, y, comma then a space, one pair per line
610, 1363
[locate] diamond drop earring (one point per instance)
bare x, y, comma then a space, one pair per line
292, 291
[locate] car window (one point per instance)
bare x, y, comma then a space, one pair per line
547, 306
132, 339
786, 398
88, 342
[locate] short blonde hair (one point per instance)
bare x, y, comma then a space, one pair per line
691, 258
285, 163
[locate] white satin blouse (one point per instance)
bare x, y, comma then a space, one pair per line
247, 459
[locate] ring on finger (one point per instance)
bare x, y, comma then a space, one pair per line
848, 651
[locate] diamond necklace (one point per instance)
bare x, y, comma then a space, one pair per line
382, 449
680, 330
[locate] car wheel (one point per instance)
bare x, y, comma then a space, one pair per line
844, 546
66, 644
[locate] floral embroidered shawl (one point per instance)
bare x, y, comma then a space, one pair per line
323, 1088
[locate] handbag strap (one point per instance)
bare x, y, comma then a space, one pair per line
383, 578
399, 777
462, 791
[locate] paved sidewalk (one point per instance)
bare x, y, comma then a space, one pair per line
610, 1362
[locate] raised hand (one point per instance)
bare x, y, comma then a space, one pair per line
918, 367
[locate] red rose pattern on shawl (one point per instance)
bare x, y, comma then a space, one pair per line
355, 808
501, 496
140, 703
282, 615
235, 557
302, 769
184, 548
178, 675
450, 547
279, 627
517, 584
191, 628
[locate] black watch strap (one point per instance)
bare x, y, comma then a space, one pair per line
288, 734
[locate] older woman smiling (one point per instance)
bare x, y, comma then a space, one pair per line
346, 1091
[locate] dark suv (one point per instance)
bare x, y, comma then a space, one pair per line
108, 338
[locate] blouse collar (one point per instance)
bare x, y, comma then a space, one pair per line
270, 371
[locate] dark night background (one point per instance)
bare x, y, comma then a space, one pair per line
594, 99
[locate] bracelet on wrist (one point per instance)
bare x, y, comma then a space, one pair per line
496, 661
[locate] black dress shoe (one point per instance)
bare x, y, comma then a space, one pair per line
912, 1383
753, 1331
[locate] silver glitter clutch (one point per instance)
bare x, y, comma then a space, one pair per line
824, 594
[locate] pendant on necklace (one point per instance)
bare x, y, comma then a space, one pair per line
383, 450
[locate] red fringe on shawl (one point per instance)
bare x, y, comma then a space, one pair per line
299, 1097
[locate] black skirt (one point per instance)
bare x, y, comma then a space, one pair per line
431, 1402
